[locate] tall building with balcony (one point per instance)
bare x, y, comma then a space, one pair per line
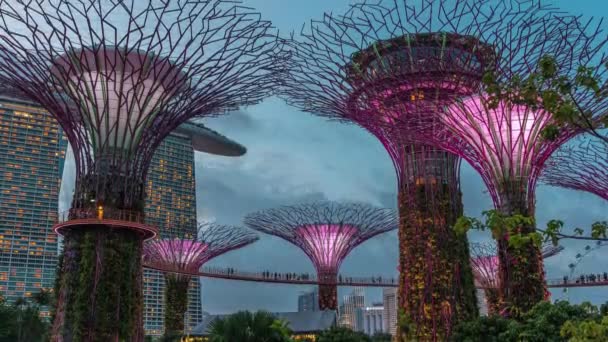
32, 152
171, 206
349, 310
389, 301
309, 301
373, 321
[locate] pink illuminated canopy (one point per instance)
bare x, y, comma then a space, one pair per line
176, 254
505, 144
485, 270
118, 92
326, 245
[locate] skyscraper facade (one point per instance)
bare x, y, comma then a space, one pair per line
171, 206
349, 309
309, 301
32, 152
373, 321
389, 299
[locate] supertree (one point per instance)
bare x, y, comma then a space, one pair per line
182, 256
484, 260
388, 67
580, 165
119, 76
505, 139
326, 232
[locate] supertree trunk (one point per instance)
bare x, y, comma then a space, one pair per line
176, 303
436, 287
328, 297
100, 287
521, 268
99, 296
328, 290
492, 297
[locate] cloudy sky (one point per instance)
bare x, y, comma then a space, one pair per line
295, 157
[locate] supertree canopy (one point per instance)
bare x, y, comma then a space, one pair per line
484, 260
388, 67
182, 256
119, 76
326, 232
504, 141
580, 165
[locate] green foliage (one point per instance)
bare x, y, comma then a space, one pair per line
548, 89
482, 329
553, 232
108, 259
500, 225
342, 334
21, 321
245, 326
544, 321
557, 322
381, 337
176, 303
587, 330
599, 229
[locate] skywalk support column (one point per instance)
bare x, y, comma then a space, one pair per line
436, 285
182, 256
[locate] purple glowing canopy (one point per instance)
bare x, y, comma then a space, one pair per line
581, 165
120, 76
485, 262
485, 270
326, 245
325, 231
505, 144
188, 253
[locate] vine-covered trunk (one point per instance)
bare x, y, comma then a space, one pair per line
99, 295
521, 268
436, 287
492, 297
176, 303
328, 297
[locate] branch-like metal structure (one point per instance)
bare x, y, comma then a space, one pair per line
326, 232
179, 257
391, 67
580, 165
189, 253
417, 69
485, 263
119, 76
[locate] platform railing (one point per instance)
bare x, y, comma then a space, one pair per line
103, 214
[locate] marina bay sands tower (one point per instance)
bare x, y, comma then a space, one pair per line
172, 207
32, 153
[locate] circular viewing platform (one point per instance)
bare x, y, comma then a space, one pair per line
78, 218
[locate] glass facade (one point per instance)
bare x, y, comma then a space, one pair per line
32, 152
171, 206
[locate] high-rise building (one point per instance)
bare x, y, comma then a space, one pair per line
348, 310
309, 301
32, 152
171, 206
389, 300
373, 321
482, 303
